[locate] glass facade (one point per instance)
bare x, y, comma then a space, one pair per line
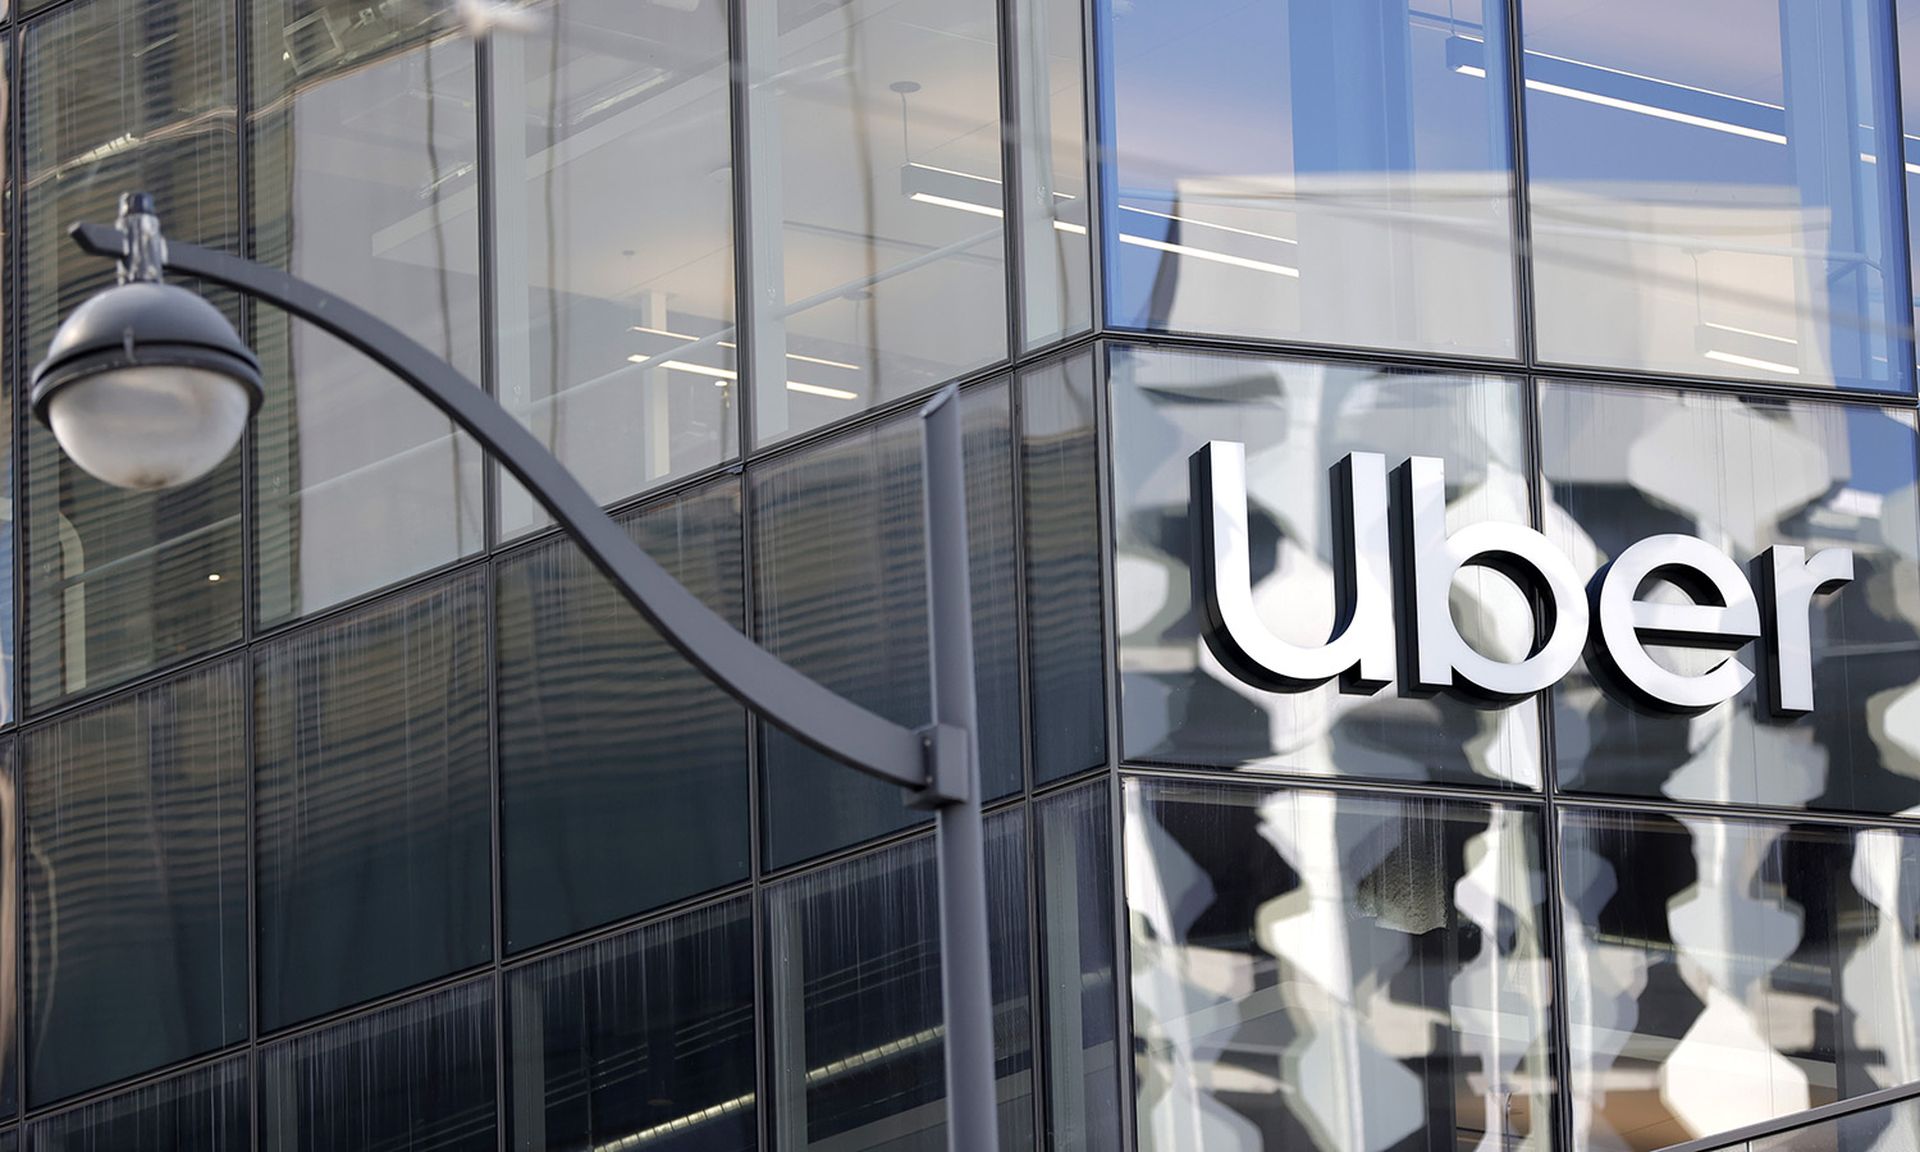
343, 805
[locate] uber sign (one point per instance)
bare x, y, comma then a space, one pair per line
1394, 564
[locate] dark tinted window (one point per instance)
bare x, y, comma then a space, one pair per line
1066, 617
1309, 962
623, 769
841, 593
1076, 885
136, 881
205, 1110
644, 1040
415, 1076
1622, 465
119, 95
853, 988
373, 839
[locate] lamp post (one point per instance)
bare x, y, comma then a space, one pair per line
147, 386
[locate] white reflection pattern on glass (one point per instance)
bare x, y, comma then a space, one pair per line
1332, 972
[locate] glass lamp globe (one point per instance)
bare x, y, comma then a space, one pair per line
146, 386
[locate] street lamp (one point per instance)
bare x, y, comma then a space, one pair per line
147, 386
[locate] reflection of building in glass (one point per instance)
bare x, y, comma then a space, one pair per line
347, 807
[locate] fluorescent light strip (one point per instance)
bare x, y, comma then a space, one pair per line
962, 205
1203, 254
1657, 113
731, 344
972, 176
725, 376
1752, 362
1473, 70
1205, 224
1872, 159
1749, 332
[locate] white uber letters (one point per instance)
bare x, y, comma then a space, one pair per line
1394, 552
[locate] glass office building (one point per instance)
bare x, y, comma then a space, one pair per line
344, 806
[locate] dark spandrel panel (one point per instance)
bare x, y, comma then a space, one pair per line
1066, 618
10, 1140
1312, 169
1322, 971
363, 152
841, 594
615, 332
644, 1040
623, 768
205, 1110
136, 883
1297, 419
1722, 972
1711, 190
1049, 47
853, 987
875, 193
417, 1075
10, 355
371, 783
1887, 1128
1622, 465
1076, 881
10, 951
118, 95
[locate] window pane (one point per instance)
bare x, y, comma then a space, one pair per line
9, 918
1907, 13
1744, 474
613, 242
136, 881
1179, 704
1076, 964
1066, 617
10, 353
840, 560
1887, 1128
1723, 972
854, 991
417, 1075
120, 95
644, 1040
1049, 42
1706, 190
364, 150
205, 1110
623, 769
1312, 169
1314, 970
879, 268
372, 785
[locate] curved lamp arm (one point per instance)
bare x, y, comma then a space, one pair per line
790, 701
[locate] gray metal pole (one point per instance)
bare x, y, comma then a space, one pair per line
966, 984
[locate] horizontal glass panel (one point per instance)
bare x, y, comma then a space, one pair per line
1342, 972
205, 1110
136, 871
612, 242
840, 560
853, 986
363, 147
1312, 170
1723, 972
117, 96
416, 1075
879, 256
1076, 887
1296, 418
623, 769
1745, 474
1711, 189
642, 1040
1066, 612
1888, 1128
371, 784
